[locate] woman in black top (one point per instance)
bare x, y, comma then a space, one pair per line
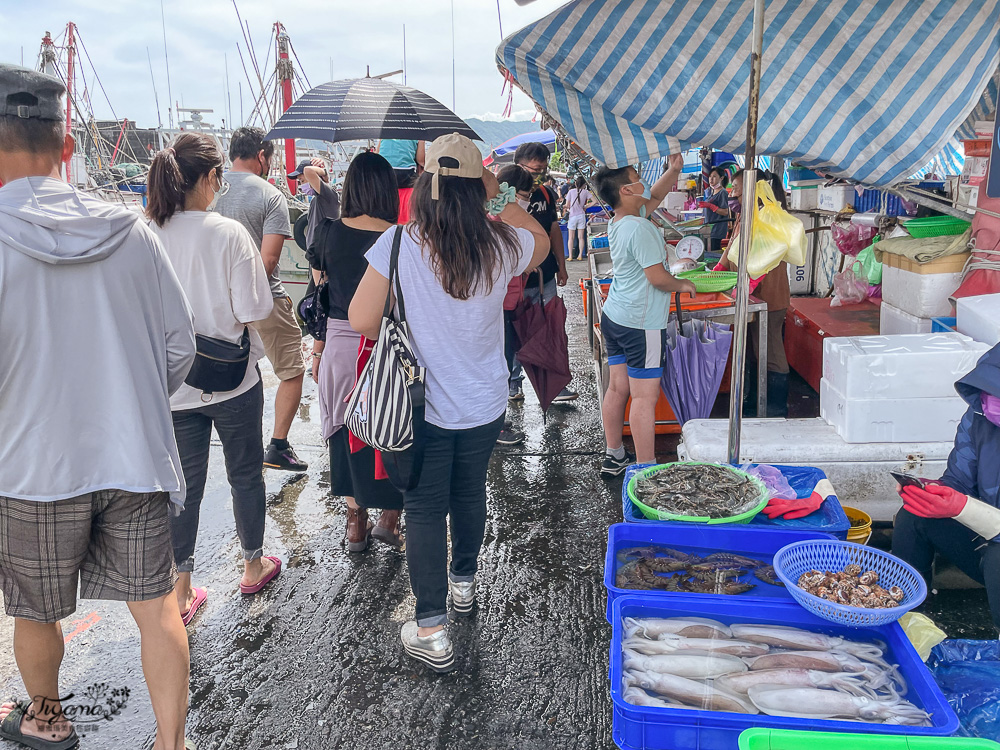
369, 206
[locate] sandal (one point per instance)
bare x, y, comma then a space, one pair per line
200, 597
265, 580
10, 729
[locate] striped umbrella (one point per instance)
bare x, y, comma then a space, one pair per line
368, 109
867, 91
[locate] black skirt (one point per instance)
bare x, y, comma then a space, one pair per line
353, 475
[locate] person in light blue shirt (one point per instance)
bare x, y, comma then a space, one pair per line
637, 310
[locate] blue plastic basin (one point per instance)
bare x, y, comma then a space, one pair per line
759, 544
639, 728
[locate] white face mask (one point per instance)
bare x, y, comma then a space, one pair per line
523, 203
223, 189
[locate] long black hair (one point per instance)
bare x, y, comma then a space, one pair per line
175, 172
465, 247
370, 189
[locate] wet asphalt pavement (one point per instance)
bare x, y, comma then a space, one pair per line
314, 661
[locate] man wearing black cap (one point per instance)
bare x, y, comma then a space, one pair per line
95, 334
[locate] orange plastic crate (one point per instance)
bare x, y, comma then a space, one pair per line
663, 414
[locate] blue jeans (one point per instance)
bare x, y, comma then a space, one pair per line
531, 293
452, 483
239, 424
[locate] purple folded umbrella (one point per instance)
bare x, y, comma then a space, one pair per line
694, 364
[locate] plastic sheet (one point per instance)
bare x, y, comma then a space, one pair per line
968, 673
776, 483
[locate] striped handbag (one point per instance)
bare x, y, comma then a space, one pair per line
386, 407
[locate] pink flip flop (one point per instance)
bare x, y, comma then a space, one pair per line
200, 597
267, 579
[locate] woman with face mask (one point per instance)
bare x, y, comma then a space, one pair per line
716, 206
222, 274
958, 515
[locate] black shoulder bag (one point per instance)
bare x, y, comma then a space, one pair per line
219, 366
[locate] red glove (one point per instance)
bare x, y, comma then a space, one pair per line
792, 509
705, 204
720, 266
934, 501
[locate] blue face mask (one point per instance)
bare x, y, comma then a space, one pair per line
646, 195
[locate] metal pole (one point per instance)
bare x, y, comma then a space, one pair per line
749, 213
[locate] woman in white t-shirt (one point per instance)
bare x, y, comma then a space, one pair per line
577, 200
223, 276
454, 268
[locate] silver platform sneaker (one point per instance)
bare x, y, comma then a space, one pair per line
434, 650
463, 596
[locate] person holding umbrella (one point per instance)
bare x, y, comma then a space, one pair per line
534, 158
637, 310
454, 268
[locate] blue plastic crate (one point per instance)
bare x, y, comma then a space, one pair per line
829, 519
871, 200
796, 174
758, 544
598, 242
943, 325
639, 728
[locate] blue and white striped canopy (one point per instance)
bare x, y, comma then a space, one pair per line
869, 91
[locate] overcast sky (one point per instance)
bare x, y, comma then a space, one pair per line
332, 37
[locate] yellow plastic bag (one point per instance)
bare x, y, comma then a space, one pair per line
777, 236
922, 632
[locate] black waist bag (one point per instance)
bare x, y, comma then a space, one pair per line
219, 366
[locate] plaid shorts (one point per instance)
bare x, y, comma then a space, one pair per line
115, 544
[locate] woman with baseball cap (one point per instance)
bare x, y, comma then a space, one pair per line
454, 268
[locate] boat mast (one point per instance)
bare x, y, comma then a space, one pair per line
70, 59
285, 76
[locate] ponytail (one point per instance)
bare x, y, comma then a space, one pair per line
175, 172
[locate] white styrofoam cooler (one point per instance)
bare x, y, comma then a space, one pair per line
835, 197
891, 420
979, 317
805, 198
894, 321
859, 471
924, 295
905, 366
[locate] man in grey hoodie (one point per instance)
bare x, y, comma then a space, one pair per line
95, 334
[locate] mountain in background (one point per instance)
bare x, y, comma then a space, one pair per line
495, 133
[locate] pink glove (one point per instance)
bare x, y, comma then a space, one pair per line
934, 501
792, 509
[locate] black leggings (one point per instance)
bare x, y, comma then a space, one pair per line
916, 539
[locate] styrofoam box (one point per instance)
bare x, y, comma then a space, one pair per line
835, 197
979, 317
924, 365
858, 471
892, 321
803, 198
891, 420
924, 295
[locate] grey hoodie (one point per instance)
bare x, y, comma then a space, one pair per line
95, 334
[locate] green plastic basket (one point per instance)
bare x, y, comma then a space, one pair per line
709, 282
761, 738
936, 226
656, 514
